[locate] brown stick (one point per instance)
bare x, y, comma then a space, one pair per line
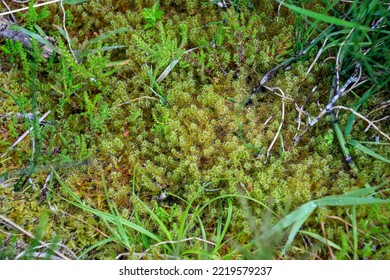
16, 35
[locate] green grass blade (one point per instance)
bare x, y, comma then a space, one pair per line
122, 232
40, 30
325, 18
299, 216
362, 192
221, 235
293, 232
355, 233
349, 201
321, 239
36, 37
296, 216
145, 241
109, 34
72, 2
105, 216
97, 244
155, 218
366, 150
204, 235
67, 189
183, 228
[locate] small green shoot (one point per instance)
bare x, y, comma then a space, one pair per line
152, 16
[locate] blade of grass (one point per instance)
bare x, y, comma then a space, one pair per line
109, 34
36, 37
296, 218
155, 218
325, 18
96, 245
293, 231
221, 234
367, 151
105, 216
355, 233
349, 201
364, 191
321, 239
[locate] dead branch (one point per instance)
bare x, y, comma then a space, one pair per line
15, 35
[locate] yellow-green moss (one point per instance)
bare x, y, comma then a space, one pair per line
192, 140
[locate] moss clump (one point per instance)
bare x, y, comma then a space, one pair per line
111, 122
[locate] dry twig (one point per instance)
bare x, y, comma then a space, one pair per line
25, 232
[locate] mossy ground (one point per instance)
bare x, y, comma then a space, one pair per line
105, 121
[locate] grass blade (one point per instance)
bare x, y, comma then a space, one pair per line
105, 216
36, 37
366, 150
72, 2
109, 34
155, 218
293, 232
325, 18
349, 201
321, 239
97, 244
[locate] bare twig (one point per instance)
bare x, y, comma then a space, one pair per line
25, 232
281, 121
338, 63
375, 121
267, 121
8, 8
317, 56
26, 8
385, 104
66, 31
341, 92
326, 240
24, 134
363, 118
300, 109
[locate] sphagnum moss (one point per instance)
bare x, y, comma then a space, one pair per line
147, 148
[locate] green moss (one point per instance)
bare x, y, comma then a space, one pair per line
106, 121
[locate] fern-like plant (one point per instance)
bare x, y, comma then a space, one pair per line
152, 16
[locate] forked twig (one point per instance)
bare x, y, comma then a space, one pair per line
363, 118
